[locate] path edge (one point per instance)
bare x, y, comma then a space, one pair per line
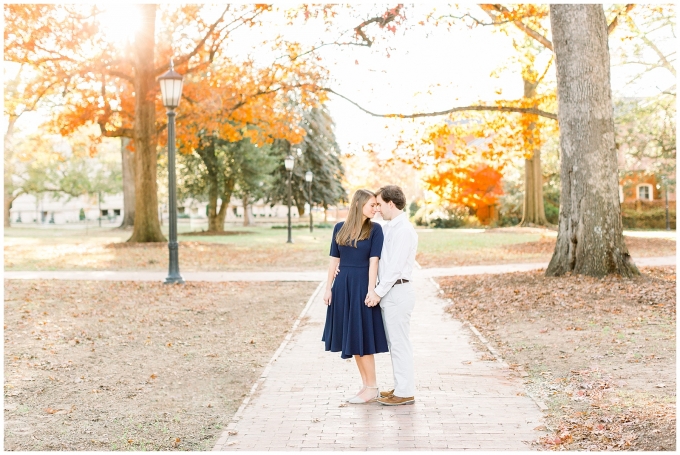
541, 405
219, 445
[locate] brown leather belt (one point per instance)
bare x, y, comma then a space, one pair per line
399, 281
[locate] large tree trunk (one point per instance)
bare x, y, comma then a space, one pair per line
246, 205
213, 222
227, 191
9, 169
590, 235
533, 209
147, 227
128, 159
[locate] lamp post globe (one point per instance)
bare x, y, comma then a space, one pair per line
309, 176
171, 87
289, 162
171, 92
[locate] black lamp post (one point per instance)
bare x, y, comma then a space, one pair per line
290, 163
171, 92
309, 176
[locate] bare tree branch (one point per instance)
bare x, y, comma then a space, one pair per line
662, 58
522, 110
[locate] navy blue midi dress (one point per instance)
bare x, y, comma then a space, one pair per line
352, 328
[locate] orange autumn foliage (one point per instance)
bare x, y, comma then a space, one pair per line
94, 78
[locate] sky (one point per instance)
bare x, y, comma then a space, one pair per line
460, 61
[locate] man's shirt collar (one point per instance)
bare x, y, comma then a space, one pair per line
396, 220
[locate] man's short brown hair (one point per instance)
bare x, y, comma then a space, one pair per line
392, 193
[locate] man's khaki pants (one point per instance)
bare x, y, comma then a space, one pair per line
396, 307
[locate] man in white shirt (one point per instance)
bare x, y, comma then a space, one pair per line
395, 292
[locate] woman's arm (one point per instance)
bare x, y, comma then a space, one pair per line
331, 276
372, 274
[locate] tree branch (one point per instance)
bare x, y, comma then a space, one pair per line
615, 22
185, 58
120, 75
522, 110
519, 24
383, 20
120, 132
664, 61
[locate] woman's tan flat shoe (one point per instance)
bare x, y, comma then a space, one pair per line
358, 400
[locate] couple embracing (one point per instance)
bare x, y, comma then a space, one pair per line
369, 294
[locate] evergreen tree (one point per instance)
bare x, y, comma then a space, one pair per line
319, 152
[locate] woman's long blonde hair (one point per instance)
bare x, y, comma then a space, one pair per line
355, 228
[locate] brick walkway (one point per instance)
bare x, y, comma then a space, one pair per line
462, 402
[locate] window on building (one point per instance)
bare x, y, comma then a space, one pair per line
116, 212
645, 192
180, 209
105, 212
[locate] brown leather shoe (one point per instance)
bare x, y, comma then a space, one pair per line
395, 400
386, 394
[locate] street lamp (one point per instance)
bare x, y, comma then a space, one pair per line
309, 176
290, 163
171, 92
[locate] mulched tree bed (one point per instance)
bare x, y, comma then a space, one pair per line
599, 352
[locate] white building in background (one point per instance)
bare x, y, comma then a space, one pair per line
45, 209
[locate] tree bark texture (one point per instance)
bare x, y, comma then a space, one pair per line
9, 169
533, 213
246, 206
590, 233
216, 215
128, 160
146, 227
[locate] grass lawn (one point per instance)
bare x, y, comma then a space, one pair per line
105, 366
600, 353
265, 249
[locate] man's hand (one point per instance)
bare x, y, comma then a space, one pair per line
337, 270
372, 299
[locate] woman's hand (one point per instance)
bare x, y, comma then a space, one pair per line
327, 297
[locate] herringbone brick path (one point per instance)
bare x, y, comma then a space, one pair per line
462, 402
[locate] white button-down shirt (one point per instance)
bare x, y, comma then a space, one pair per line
398, 257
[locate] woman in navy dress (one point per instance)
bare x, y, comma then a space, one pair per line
352, 327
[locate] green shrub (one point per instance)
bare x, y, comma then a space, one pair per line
552, 213
654, 218
445, 218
